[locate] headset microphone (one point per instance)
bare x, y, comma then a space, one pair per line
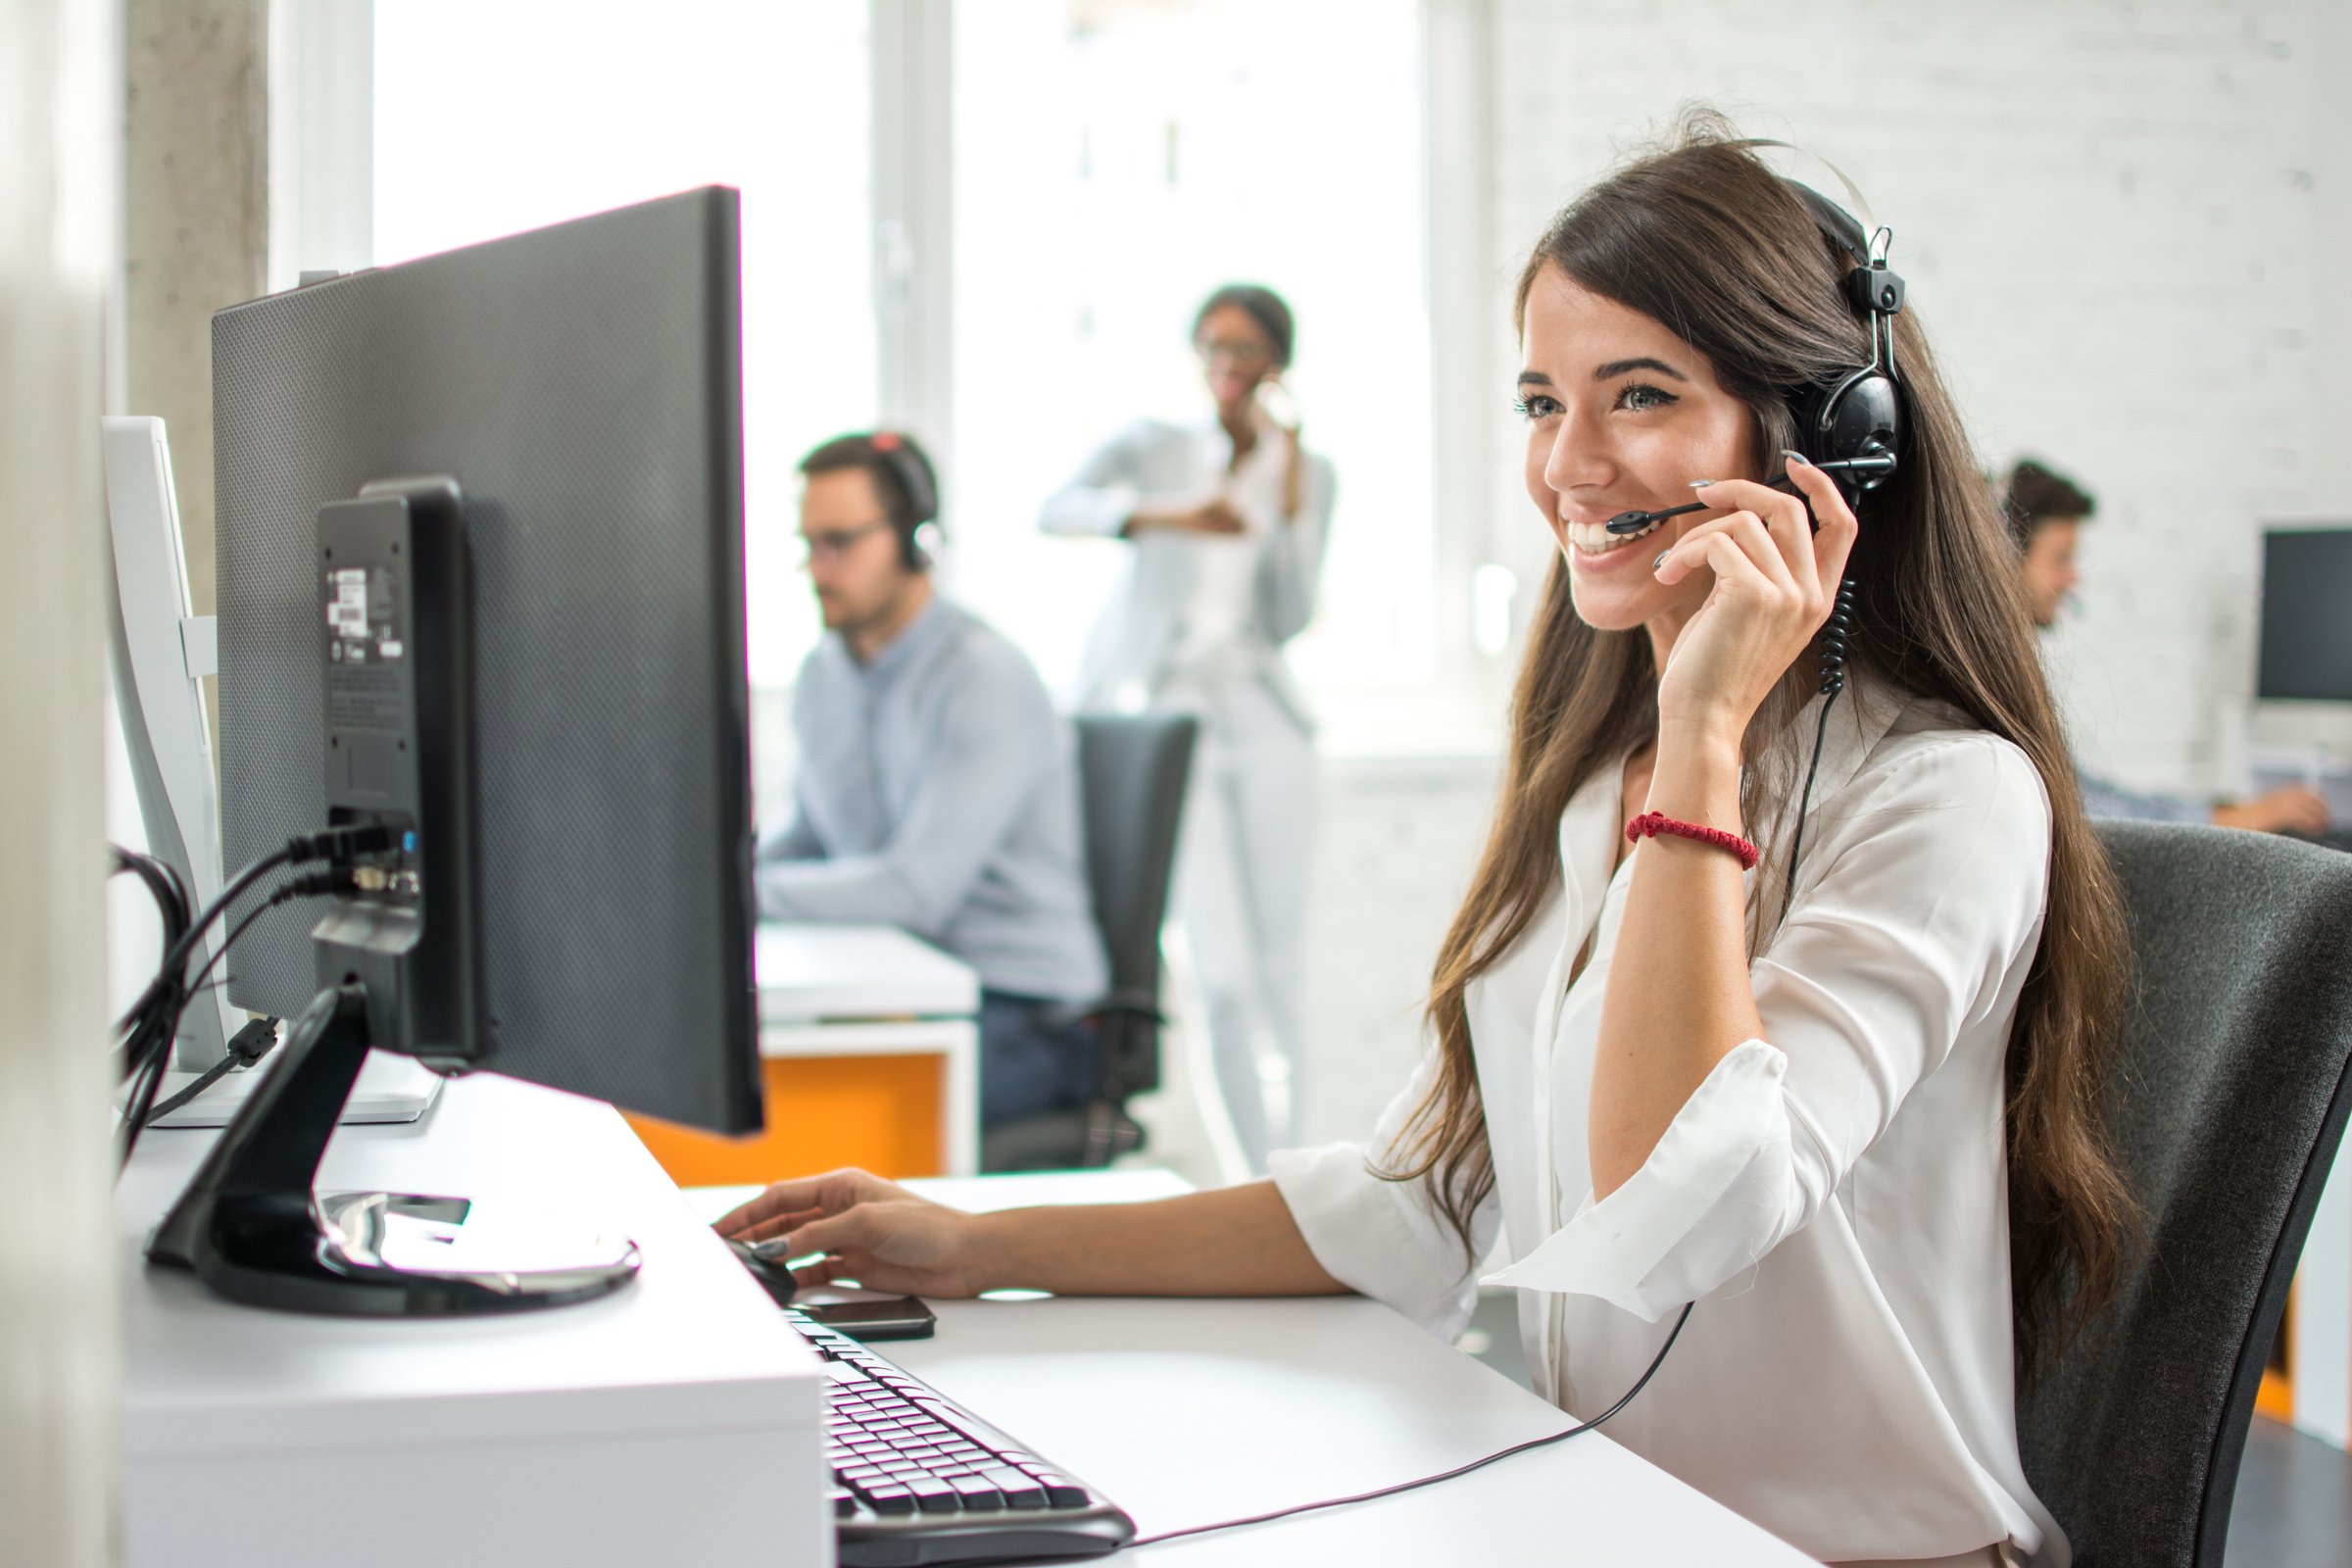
1878, 465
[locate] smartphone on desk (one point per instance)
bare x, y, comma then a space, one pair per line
891, 1317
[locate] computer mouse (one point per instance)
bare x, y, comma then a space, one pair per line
766, 1261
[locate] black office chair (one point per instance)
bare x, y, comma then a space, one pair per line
2234, 1102
1132, 773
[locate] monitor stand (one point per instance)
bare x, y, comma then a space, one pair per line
252, 1230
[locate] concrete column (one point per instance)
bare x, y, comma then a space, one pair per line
59, 1361
197, 177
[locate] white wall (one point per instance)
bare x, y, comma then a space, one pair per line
2112, 216
2107, 213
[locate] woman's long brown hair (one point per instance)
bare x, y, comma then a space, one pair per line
1707, 240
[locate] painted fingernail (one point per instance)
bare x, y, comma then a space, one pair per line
1660, 561
1700, 484
1799, 458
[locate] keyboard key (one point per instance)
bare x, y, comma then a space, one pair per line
978, 1496
844, 1502
890, 1499
936, 1497
1061, 1490
1020, 1492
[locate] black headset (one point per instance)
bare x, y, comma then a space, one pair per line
1850, 428
1854, 426
918, 487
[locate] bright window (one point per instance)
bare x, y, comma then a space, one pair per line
1114, 162
496, 115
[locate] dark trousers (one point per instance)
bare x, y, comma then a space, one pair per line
1035, 1057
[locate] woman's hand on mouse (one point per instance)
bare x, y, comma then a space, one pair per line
868, 1230
1775, 579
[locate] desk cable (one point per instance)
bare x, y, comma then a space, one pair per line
145, 1033
1448, 1475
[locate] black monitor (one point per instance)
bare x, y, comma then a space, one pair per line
2306, 615
480, 590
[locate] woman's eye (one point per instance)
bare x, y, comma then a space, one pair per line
1640, 396
1537, 407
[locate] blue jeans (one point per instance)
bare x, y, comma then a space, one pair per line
1034, 1057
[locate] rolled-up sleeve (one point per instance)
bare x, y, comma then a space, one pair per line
1380, 1238
1932, 891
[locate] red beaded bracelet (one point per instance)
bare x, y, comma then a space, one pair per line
1650, 823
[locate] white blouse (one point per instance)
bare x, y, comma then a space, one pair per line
1833, 1195
1212, 607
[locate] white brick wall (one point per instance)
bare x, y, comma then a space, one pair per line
2107, 214
2111, 216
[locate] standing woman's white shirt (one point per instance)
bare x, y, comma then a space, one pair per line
1833, 1195
1197, 625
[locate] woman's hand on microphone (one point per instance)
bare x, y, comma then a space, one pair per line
1775, 580
868, 1230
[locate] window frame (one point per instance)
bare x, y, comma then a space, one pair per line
321, 71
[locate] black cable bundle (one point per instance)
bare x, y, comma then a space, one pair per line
144, 1032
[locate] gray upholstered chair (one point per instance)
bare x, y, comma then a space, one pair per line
2234, 1102
1132, 773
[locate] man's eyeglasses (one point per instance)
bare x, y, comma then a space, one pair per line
832, 543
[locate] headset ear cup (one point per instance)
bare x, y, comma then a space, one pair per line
920, 546
1859, 416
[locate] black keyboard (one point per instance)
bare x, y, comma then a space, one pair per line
918, 1478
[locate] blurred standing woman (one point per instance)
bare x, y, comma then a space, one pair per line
1227, 519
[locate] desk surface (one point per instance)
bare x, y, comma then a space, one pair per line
811, 972
687, 1341
1192, 1411
583, 1427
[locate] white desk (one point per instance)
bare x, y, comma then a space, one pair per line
627, 1432
875, 991
1190, 1411
810, 973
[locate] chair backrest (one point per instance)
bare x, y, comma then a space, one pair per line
2231, 1104
1132, 771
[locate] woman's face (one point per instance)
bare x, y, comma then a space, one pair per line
1235, 355
1622, 416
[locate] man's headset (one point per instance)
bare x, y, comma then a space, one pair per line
917, 527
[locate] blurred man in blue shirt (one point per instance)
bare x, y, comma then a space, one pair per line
2046, 513
937, 788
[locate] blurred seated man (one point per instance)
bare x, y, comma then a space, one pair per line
937, 788
2047, 513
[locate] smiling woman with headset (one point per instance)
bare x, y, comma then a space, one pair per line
1772, 1027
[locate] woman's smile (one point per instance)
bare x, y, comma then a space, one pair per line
1594, 539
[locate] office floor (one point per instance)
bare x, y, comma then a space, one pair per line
2295, 1493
